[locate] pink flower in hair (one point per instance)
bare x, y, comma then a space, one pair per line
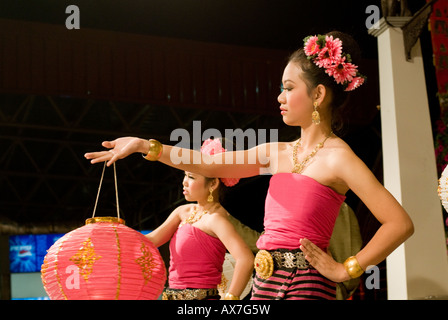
311, 46
326, 52
342, 71
214, 146
330, 53
230, 182
356, 82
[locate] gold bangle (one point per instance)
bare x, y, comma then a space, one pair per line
155, 150
230, 296
353, 268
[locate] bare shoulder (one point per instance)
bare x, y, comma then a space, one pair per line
214, 222
185, 207
344, 164
218, 219
339, 153
184, 211
218, 215
335, 166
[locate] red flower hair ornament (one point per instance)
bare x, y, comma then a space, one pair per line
326, 52
214, 146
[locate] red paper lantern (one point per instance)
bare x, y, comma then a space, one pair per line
103, 260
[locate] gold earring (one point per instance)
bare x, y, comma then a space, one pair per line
315, 116
210, 196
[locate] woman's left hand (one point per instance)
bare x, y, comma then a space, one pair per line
118, 149
323, 262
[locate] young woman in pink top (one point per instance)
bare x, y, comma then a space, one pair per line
310, 177
200, 233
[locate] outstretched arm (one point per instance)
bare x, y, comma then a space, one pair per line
236, 164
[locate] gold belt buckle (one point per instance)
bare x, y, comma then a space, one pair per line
264, 264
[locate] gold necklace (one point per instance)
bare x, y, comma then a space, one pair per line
194, 217
299, 167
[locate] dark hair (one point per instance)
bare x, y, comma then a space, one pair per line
313, 76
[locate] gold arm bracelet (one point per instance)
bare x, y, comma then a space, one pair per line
353, 268
155, 150
230, 296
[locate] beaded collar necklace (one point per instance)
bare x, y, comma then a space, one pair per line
194, 217
299, 167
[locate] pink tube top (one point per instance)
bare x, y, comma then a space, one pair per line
297, 207
196, 259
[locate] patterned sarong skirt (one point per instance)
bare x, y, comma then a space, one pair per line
295, 283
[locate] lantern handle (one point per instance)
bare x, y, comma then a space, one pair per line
99, 189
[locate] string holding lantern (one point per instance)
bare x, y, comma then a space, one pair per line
103, 260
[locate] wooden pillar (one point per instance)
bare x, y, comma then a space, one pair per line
418, 269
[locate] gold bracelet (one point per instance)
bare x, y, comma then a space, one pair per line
353, 268
155, 150
230, 296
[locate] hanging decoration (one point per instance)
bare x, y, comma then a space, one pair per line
103, 260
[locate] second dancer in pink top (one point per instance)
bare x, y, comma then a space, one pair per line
200, 233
